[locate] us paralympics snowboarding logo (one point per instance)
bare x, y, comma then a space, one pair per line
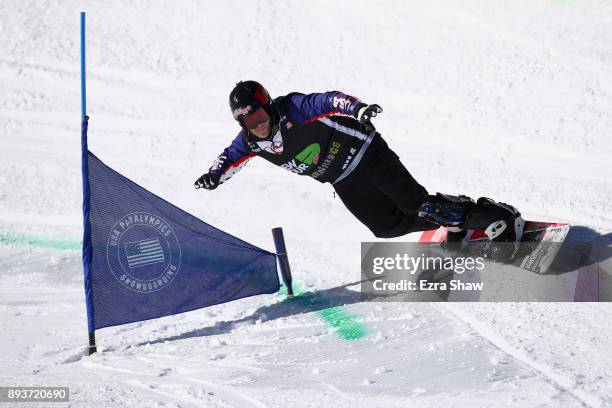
143, 252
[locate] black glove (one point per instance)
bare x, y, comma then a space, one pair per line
209, 181
364, 114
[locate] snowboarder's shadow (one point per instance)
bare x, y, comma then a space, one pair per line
582, 248
306, 302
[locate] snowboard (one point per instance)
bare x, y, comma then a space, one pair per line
540, 243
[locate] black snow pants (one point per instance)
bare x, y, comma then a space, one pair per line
382, 194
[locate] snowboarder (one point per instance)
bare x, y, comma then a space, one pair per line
330, 137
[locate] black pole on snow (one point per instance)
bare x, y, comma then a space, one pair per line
283, 260
92, 344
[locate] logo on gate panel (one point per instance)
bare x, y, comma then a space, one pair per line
143, 252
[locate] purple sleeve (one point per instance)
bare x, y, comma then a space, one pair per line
232, 160
307, 108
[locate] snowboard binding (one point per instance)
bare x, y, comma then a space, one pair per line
501, 223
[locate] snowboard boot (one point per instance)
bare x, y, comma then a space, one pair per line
503, 225
448, 211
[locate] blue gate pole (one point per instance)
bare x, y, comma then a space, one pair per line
283, 260
87, 246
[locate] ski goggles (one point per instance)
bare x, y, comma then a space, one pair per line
254, 119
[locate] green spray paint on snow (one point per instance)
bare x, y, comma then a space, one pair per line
41, 242
345, 324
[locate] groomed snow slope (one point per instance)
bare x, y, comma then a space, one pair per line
510, 101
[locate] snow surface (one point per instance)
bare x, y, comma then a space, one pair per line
510, 100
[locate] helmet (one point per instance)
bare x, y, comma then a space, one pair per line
247, 97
